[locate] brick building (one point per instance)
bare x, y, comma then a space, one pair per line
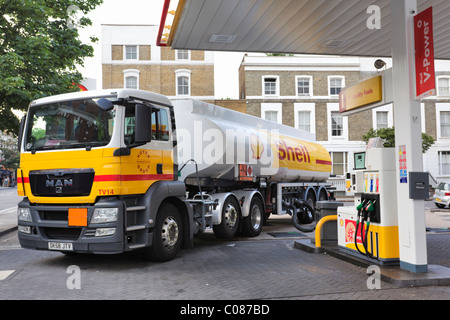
300, 91
303, 92
131, 59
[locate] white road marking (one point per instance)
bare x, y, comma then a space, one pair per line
5, 274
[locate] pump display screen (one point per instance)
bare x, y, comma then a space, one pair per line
360, 160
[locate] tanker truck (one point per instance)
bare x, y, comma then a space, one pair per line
111, 171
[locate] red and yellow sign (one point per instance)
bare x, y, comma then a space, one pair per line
361, 94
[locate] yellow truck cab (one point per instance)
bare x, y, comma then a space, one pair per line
87, 159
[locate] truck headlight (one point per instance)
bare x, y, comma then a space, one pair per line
103, 215
24, 214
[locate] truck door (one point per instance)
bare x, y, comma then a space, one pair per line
145, 163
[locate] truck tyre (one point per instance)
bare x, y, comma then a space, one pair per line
252, 224
311, 199
167, 234
229, 225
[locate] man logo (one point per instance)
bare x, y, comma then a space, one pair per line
58, 183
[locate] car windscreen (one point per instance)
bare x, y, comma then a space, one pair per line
69, 124
443, 186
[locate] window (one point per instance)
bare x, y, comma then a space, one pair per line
183, 82
304, 120
304, 85
382, 119
443, 86
131, 78
337, 124
445, 123
182, 54
131, 82
339, 163
270, 86
159, 124
335, 85
304, 117
271, 115
182, 86
69, 125
271, 112
131, 53
444, 162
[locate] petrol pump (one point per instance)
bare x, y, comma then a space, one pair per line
369, 228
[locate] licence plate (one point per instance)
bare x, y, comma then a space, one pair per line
439, 200
60, 246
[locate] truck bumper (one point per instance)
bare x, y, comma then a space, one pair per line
49, 226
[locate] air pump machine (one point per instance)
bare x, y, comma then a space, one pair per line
369, 228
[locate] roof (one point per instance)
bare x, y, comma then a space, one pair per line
333, 27
119, 93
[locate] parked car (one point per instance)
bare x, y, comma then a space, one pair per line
441, 195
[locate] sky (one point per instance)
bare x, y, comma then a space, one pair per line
149, 12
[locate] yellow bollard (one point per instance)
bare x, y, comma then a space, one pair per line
319, 227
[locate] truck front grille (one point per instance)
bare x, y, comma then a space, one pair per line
62, 233
62, 182
54, 215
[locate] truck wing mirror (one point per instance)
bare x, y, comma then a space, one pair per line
143, 124
105, 104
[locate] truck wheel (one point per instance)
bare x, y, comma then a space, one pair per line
252, 224
311, 199
167, 234
228, 228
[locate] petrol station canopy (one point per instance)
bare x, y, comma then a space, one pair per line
336, 27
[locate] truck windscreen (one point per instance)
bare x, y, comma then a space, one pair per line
69, 124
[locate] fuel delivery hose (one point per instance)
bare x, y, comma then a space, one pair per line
301, 207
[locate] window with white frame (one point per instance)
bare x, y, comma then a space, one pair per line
271, 112
182, 54
182, 86
335, 85
131, 52
303, 85
131, 82
271, 86
382, 117
339, 163
304, 117
337, 124
443, 86
131, 79
183, 82
444, 162
445, 123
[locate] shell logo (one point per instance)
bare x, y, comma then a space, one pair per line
256, 146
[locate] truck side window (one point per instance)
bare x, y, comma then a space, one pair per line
164, 125
160, 126
130, 119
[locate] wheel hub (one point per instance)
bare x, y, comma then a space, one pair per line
169, 232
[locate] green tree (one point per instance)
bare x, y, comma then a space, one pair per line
387, 136
40, 51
